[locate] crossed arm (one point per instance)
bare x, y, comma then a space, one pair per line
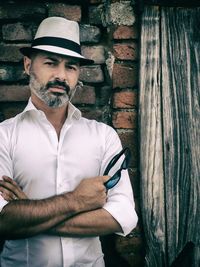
77, 213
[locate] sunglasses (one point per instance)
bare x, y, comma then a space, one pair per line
125, 164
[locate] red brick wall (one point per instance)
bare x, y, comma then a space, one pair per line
111, 99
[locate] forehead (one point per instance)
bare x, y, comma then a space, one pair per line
56, 57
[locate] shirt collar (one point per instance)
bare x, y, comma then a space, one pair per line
29, 106
73, 112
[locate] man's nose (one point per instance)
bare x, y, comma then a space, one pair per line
61, 73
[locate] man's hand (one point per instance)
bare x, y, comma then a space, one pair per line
91, 193
10, 190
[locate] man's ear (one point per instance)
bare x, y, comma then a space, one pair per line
27, 64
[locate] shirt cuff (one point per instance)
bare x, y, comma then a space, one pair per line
124, 214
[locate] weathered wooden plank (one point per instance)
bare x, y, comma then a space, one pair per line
169, 3
181, 124
169, 125
151, 151
180, 3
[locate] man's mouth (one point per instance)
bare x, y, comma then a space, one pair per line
57, 89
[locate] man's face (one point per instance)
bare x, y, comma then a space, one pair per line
53, 78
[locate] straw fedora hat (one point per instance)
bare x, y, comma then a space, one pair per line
57, 35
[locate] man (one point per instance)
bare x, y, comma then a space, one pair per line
54, 204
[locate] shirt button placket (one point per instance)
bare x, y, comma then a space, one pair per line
59, 186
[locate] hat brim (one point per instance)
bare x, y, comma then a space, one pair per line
27, 51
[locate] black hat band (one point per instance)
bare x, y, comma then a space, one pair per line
57, 42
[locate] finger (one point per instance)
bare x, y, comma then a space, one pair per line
8, 185
9, 180
105, 178
7, 195
12, 183
12, 186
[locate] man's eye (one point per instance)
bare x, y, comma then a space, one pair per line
71, 67
50, 63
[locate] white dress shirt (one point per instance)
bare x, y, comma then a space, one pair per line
43, 166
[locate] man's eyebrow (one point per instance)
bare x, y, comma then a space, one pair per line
69, 61
51, 58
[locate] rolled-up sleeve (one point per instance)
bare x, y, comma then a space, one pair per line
5, 158
120, 202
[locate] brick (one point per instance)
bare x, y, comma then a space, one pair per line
95, 113
25, 11
12, 73
124, 76
71, 12
91, 74
92, 114
14, 93
84, 95
10, 52
125, 99
130, 139
124, 119
18, 31
89, 34
126, 51
126, 32
96, 53
95, 13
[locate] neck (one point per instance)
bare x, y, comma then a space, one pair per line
56, 116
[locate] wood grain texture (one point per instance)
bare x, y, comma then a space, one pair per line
170, 136
179, 3
181, 126
151, 147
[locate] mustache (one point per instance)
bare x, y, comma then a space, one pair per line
59, 84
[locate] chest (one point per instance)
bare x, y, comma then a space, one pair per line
41, 160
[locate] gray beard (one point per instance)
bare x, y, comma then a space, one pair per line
54, 100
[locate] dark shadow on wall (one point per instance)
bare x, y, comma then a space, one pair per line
185, 257
111, 255
1, 244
